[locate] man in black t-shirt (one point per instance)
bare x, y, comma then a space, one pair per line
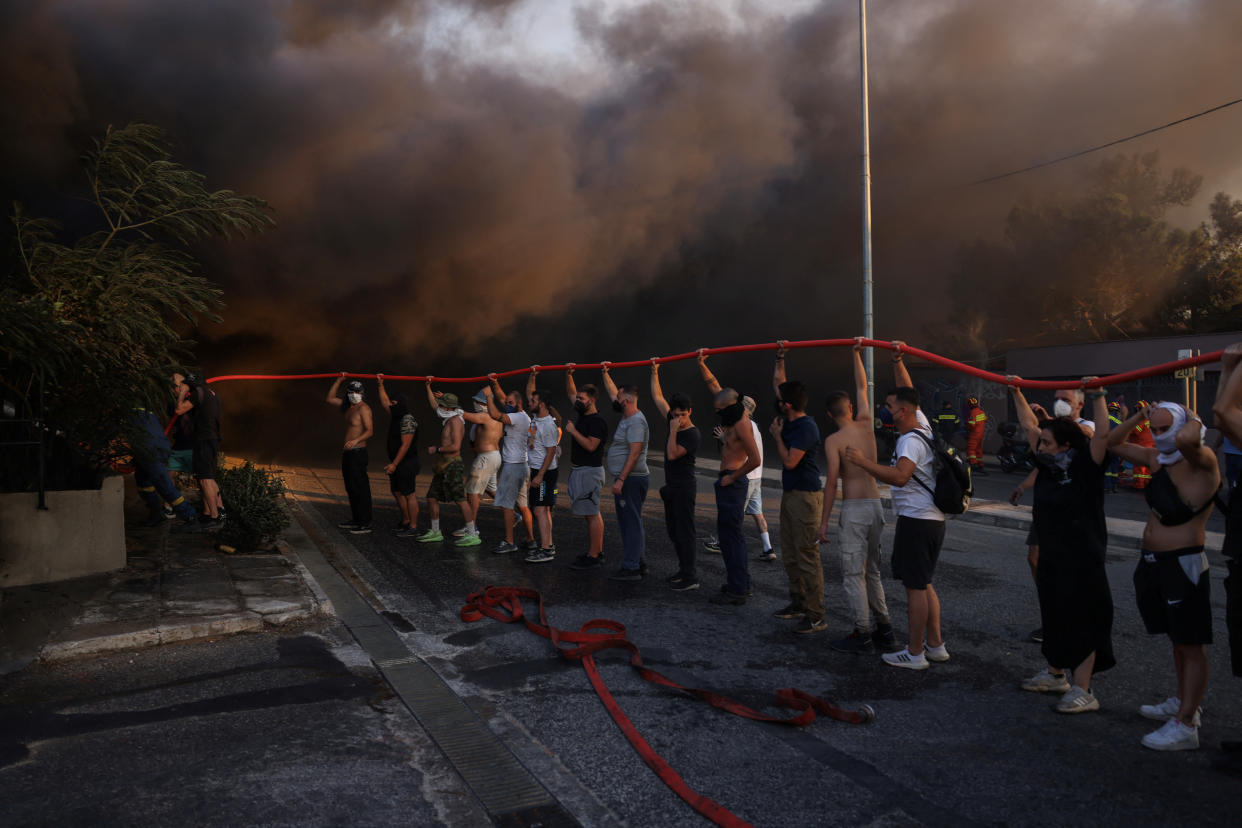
678, 492
586, 475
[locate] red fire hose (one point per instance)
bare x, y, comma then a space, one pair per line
1127, 376
504, 604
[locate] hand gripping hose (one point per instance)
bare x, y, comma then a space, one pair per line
1127, 376
504, 604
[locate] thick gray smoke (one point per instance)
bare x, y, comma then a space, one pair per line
439, 213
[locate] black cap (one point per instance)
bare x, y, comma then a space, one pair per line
354, 387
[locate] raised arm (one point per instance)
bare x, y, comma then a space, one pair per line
1189, 442
1138, 455
609, 385
778, 370
497, 391
334, 397
706, 373
901, 376
1026, 415
383, 395
431, 395
571, 389
1099, 410
862, 406
657, 393
530, 383
1228, 405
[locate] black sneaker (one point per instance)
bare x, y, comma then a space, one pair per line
683, 584
767, 555
361, 529
726, 598
399, 528
1037, 636
856, 642
585, 561
790, 612
711, 545
884, 639
527, 545
806, 626
345, 524
624, 574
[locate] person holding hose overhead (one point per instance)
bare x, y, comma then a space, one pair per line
1075, 603
1171, 579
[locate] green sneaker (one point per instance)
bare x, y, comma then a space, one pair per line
431, 536
468, 540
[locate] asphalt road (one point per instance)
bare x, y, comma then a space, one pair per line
957, 744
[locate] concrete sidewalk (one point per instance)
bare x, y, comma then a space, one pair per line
174, 588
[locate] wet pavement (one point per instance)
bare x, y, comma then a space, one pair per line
956, 744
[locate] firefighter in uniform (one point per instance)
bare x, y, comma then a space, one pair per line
1142, 436
1113, 470
976, 425
947, 422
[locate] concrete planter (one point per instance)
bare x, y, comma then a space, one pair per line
81, 533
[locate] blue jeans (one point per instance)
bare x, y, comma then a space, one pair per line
730, 501
156, 489
630, 520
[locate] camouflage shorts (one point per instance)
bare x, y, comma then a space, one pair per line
449, 483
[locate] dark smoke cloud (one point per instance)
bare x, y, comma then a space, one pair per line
439, 215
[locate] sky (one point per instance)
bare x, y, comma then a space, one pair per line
473, 185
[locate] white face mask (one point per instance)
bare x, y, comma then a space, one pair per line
479, 408
448, 414
1061, 408
354, 398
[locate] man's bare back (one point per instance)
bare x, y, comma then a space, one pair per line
856, 484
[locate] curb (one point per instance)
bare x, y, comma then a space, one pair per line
167, 633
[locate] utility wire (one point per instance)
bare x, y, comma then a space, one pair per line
1109, 144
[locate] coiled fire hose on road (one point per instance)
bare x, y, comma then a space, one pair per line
505, 604
970, 370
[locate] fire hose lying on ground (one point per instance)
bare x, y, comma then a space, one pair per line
505, 604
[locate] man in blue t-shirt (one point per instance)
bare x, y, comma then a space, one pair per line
797, 439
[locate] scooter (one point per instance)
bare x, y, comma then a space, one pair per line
1014, 453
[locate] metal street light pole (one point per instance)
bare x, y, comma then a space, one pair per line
868, 330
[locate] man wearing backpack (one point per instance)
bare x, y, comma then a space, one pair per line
920, 526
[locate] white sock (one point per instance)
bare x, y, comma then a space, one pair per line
767, 541
470, 530
435, 525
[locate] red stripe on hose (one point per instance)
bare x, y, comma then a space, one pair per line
504, 604
970, 370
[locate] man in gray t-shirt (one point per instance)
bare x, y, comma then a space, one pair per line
627, 463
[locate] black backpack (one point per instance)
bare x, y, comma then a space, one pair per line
953, 488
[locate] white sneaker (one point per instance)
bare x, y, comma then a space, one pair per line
1166, 710
1076, 700
903, 658
1046, 682
1173, 736
936, 654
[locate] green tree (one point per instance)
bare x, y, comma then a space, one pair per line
1207, 295
87, 319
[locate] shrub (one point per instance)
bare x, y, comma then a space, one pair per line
255, 503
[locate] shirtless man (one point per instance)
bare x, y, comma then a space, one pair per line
862, 517
448, 483
1171, 582
754, 480
738, 455
484, 434
358, 429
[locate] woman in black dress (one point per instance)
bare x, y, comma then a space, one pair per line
1074, 597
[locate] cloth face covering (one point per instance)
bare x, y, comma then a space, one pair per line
1061, 408
1166, 443
448, 413
354, 398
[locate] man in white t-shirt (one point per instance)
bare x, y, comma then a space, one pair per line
920, 527
512, 482
754, 478
541, 458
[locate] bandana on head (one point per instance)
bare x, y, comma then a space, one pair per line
1166, 443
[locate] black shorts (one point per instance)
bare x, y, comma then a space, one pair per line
1169, 602
1031, 538
916, 548
401, 481
206, 458
545, 493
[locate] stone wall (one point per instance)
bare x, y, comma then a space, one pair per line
82, 532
